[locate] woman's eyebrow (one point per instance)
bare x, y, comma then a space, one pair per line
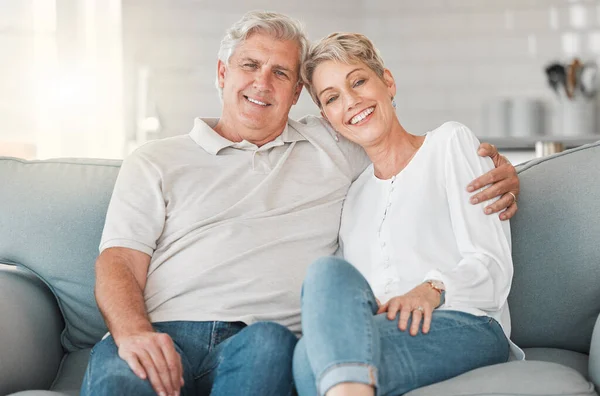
347, 75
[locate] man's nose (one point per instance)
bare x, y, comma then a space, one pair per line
262, 80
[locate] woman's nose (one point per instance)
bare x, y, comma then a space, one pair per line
352, 100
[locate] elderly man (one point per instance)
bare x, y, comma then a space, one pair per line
208, 235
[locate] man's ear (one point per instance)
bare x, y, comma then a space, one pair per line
298, 92
390, 82
221, 72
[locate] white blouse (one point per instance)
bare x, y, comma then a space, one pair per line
419, 225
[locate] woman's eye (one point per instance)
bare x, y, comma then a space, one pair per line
331, 99
359, 83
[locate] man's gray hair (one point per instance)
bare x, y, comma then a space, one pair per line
279, 26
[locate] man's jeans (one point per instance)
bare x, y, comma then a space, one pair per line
344, 341
219, 358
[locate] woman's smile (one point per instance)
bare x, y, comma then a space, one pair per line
362, 117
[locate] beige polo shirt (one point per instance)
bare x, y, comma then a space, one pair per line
231, 227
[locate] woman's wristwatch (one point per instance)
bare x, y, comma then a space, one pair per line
439, 287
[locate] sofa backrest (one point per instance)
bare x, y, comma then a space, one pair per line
51, 220
52, 214
555, 297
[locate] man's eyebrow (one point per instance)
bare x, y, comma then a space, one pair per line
347, 75
248, 59
281, 67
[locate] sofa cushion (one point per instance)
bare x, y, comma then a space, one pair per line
555, 297
69, 378
518, 378
30, 322
51, 219
575, 360
39, 393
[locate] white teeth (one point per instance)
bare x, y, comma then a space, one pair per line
362, 115
256, 101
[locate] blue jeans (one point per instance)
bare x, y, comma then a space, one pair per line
345, 341
219, 358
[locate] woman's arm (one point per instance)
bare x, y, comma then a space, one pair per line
483, 276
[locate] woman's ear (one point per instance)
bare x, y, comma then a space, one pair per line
389, 82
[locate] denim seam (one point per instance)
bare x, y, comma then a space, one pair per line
449, 328
368, 319
211, 346
212, 336
461, 325
206, 372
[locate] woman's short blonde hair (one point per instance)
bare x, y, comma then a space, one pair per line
340, 47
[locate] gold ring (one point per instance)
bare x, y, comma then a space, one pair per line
514, 196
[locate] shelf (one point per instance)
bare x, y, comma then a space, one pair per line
528, 143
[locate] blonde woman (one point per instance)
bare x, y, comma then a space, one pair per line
420, 295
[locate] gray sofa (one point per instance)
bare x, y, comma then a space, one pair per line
51, 219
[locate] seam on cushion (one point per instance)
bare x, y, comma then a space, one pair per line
66, 161
503, 393
58, 302
535, 162
589, 392
59, 371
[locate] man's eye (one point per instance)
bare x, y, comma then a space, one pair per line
359, 83
280, 73
250, 65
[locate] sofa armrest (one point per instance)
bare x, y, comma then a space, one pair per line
30, 331
594, 365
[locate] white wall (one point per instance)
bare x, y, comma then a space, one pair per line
448, 56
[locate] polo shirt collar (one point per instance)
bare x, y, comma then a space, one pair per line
205, 136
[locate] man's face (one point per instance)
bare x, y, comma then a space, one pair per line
260, 85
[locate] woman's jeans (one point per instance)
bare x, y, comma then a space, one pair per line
345, 341
219, 358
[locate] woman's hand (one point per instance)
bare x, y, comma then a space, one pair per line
502, 182
419, 302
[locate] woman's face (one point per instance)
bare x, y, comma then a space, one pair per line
355, 100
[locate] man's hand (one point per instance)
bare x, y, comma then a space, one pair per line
152, 356
120, 281
419, 302
503, 182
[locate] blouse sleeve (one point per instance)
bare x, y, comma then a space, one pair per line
482, 278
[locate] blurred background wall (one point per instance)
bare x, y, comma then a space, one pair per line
98, 78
